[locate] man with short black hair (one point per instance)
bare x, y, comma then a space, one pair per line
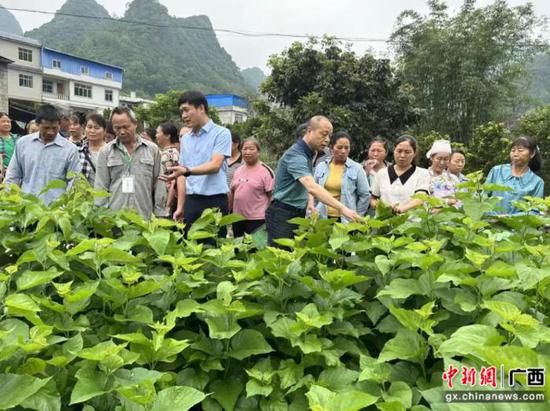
203, 159
294, 181
42, 157
128, 167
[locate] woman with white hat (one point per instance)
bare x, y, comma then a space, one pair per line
442, 182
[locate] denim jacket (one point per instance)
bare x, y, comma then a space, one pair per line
355, 192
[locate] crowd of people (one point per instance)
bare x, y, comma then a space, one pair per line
177, 174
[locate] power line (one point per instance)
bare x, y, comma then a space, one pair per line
229, 31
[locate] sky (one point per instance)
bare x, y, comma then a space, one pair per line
365, 19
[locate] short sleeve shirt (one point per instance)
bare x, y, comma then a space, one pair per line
168, 158
197, 149
295, 163
251, 186
443, 185
394, 190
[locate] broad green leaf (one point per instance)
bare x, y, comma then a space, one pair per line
413, 320
22, 305
383, 264
100, 351
402, 288
468, 338
501, 269
337, 378
372, 370
510, 312
406, 345
45, 399
227, 392
254, 387
230, 219
110, 255
177, 398
30, 279
339, 278
401, 392
224, 292
15, 389
322, 399
247, 343
289, 373
222, 326
90, 383
476, 258
310, 316
158, 241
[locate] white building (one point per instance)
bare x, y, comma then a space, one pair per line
79, 84
25, 73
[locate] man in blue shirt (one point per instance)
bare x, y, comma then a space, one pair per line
203, 159
42, 157
294, 181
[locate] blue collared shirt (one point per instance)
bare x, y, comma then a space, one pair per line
35, 164
197, 149
529, 184
295, 163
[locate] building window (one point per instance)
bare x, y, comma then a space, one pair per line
56, 64
47, 86
82, 90
109, 95
25, 80
108, 75
25, 54
84, 70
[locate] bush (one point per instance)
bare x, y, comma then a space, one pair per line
106, 311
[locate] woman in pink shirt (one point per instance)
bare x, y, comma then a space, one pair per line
251, 189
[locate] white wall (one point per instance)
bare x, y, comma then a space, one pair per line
10, 50
98, 97
24, 93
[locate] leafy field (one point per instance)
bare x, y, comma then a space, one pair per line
104, 311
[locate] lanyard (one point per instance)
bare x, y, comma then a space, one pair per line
126, 158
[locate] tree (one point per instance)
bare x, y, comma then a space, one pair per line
464, 70
166, 108
360, 94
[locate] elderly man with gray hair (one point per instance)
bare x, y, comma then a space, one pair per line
128, 167
294, 181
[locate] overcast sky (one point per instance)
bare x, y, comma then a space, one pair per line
344, 18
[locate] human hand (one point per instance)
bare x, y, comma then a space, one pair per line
350, 214
178, 214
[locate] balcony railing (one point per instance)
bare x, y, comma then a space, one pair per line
57, 96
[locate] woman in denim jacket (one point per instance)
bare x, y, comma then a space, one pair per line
344, 178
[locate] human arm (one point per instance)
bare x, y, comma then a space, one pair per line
180, 188
324, 196
375, 191
422, 185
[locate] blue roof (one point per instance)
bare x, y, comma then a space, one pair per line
73, 65
226, 100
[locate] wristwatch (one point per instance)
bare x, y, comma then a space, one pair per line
187, 172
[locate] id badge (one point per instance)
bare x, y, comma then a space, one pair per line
128, 185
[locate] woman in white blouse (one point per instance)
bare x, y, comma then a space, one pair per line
396, 184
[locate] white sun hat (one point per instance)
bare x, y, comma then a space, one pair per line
439, 146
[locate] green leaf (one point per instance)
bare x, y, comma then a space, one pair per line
401, 392
15, 389
30, 279
230, 219
383, 263
158, 241
339, 278
247, 343
468, 338
402, 288
110, 255
45, 399
222, 326
177, 398
406, 345
372, 370
337, 378
254, 387
310, 316
322, 399
90, 383
227, 392
501, 269
224, 292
